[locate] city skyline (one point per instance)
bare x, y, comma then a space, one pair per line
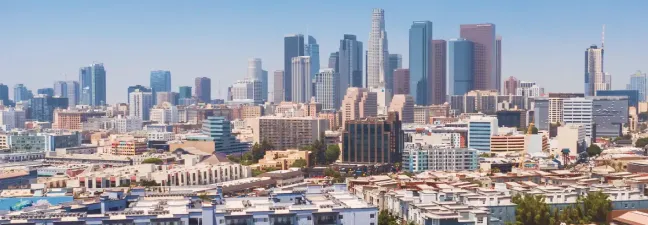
564, 43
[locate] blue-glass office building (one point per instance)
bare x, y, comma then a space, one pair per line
460, 66
160, 82
633, 95
420, 60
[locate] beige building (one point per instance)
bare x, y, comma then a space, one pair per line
643, 107
125, 145
569, 136
333, 119
73, 119
358, 103
282, 159
523, 143
421, 114
288, 132
4, 141
251, 111
442, 110
404, 105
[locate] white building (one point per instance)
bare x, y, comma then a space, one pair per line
579, 111
570, 136
529, 89
126, 124
140, 104
480, 130
247, 90
383, 99
448, 140
165, 115
594, 71
422, 156
377, 52
327, 90
11, 118
421, 114
160, 136
301, 79
254, 69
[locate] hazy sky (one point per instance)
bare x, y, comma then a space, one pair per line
543, 41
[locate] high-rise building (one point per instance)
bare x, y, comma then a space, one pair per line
631, 95
594, 76
264, 85
312, 49
401, 83
480, 130
279, 86
184, 92
21, 93
98, 84
85, 85
220, 130
45, 91
293, 47
395, 62
403, 104
248, 90
326, 89
4, 94
138, 87
377, 51
73, 119
203, 89
140, 104
498, 61
510, 86
359, 103
461, 73
60, 89
437, 82
485, 54
579, 111
350, 62
11, 118
73, 92
528, 89
638, 82
160, 82
420, 61
43, 106
254, 68
373, 140
288, 132
167, 97
334, 61
301, 84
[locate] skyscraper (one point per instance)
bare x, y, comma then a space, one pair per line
85, 85
98, 84
21, 93
301, 84
278, 86
377, 50
73, 93
254, 68
510, 86
395, 61
358, 103
327, 90
460, 62
498, 61
132, 89
45, 91
594, 76
312, 49
637, 82
293, 47
350, 63
437, 82
4, 94
203, 89
43, 106
60, 89
160, 82
485, 55
264, 85
184, 92
420, 61
401, 82
334, 60
140, 104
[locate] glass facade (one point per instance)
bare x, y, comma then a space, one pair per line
638, 82
98, 89
460, 66
480, 132
160, 82
136, 87
350, 62
420, 59
184, 92
42, 108
293, 47
632, 95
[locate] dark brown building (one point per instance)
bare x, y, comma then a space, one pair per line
373, 140
438, 79
401, 82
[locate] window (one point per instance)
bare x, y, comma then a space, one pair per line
308, 217
371, 224
221, 221
371, 215
341, 217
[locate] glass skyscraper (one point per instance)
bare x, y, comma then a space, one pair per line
350, 63
293, 47
420, 58
92, 81
312, 50
160, 82
638, 83
460, 67
184, 92
132, 89
4, 94
85, 85
21, 93
45, 91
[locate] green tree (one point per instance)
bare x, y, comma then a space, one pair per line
204, 197
233, 158
641, 142
148, 183
596, 207
593, 150
332, 153
531, 210
385, 218
155, 161
534, 130
301, 163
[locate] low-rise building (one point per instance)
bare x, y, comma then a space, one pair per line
282, 159
421, 157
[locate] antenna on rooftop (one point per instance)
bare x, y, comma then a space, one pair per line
603, 38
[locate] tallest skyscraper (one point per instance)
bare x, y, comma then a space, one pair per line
377, 52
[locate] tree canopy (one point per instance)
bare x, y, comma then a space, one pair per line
155, 161
641, 142
385, 218
594, 150
532, 209
332, 153
301, 163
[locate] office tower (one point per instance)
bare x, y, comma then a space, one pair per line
377, 50
220, 130
247, 90
288, 132
43, 107
358, 103
637, 82
579, 111
166, 96
312, 49
485, 55
420, 61
608, 81
395, 62
334, 60
21, 93
609, 114
528, 89
132, 89
85, 85
11, 118
327, 91
631, 95
254, 68
45, 91
350, 62
301, 84
403, 104
293, 47
97, 84
160, 82
73, 93
480, 130
60, 89
594, 76
140, 104
512, 118
264, 85
203, 89
437, 82
184, 92
279, 86
510, 86
401, 82
498, 61
461, 76
373, 140
4, 94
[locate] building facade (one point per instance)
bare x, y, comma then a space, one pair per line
288, 132
418, 157
404, 106
461, 74
293, 47
301, 85
377, 51
372, 140
358, 103
350, 62
480, 130
437, 80
327, 91
401, 82
160, 82
420, 61
203, 89
140, 104
484, 58
638, 83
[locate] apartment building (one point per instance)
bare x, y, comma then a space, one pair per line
423, 156
288, 132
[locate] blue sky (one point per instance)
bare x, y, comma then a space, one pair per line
543, 41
